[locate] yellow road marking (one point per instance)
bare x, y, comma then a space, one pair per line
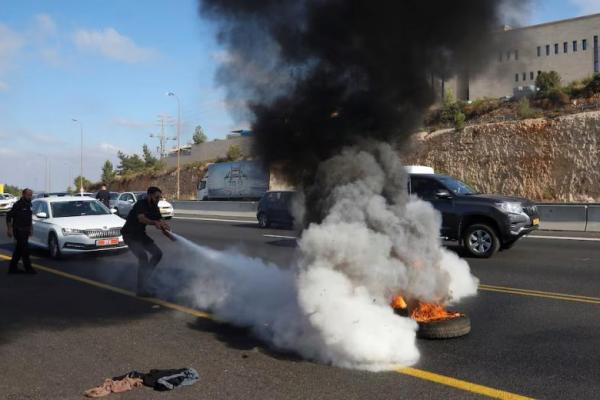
414, 372
124, 292
460, 384
539, 293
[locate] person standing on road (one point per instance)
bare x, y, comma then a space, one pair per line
19, 225
104, 196
145, 212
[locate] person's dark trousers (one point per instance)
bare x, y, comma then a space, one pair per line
140, 247
21, 250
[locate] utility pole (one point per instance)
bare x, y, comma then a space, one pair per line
163, 119
81, 166
178, 139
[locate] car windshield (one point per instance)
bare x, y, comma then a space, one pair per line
140, 195
77, 208
114, 195
456, 186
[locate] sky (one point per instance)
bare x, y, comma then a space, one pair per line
109, 64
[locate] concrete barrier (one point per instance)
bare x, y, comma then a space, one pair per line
231, 209
593, 218
563, 217
558, 217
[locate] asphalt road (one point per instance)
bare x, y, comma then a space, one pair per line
535, 330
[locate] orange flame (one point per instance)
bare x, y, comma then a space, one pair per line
424, 312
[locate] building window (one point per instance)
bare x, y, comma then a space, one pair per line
574, 45
565, 47
595, 53
547, 49
531, 75
516, 54
516, 77
507, 55
539, 51
539, 72
555, 48
524, 76
584, 44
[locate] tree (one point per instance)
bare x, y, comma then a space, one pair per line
130, 164
108, 172
14, 190
199, 136
86, 183
234, 152
547, 82
149, 159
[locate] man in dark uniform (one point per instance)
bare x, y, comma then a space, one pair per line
145, 212
19, 226
104, 196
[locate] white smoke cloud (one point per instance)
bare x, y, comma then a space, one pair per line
333, 304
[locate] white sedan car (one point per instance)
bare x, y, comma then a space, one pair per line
124, 203
6, 202
74, 225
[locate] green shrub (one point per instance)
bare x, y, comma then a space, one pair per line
558, 98
459, 121
524, 109
480, 107
593, 85
547, 81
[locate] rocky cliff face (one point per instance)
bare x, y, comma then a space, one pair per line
553, 160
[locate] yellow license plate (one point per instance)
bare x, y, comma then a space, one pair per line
536, 221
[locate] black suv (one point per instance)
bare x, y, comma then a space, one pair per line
481, 223
274, 208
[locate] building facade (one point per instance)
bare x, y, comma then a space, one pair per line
569, 47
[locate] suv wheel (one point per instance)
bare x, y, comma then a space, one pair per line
53, 246
263, 220
481, 240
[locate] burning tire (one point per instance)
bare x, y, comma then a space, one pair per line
445, 328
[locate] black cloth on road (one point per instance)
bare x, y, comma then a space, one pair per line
21, 250
20, 215
140, 246
133, 227
164, 379
104, 197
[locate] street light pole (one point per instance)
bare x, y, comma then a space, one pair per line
178, 139
81, 163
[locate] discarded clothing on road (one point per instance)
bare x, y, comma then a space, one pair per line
114, 386
165, 379
158, 379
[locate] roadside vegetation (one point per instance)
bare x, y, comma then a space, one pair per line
551, 99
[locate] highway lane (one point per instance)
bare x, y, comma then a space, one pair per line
519, 343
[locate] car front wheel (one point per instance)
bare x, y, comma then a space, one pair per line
481, 240
53, 246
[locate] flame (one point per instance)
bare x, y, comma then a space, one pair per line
424, 312
398, 303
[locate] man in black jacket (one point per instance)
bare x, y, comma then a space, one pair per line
19, 225
145, 212
104, 196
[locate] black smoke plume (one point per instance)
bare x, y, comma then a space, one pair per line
318, 75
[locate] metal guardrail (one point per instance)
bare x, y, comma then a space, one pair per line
578, 217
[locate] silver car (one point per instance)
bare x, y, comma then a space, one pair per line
125, 202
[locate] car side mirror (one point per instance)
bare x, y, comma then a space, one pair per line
130, 201
113, 210
41, 215
443, 194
